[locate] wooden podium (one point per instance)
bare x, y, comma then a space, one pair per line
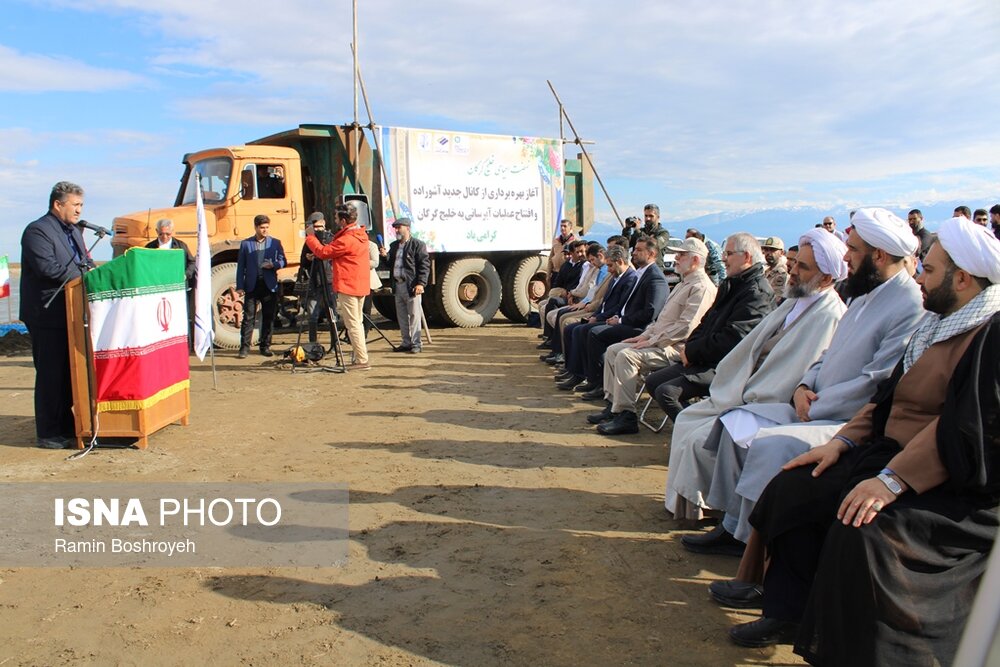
140, 423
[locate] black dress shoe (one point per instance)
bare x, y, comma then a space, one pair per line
562, 377
718, 542
544, 345
738, 594
763, 632
554, 359
244, 352
624, 422
569, 384
602, 416
403, 348
54, 442
587, 386
266, 351
596, 394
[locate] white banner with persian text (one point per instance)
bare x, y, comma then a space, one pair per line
476, 192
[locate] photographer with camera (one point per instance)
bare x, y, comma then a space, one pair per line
348, 250
651, 228
316, 274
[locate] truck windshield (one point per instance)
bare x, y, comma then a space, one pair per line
215, 173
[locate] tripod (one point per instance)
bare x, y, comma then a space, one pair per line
334, 333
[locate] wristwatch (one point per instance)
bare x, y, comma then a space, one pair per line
889, 482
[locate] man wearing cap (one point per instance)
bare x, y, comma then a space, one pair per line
878, 559
659, 344
348, 251
884, 311
257, 266
317, 273
777, 266
765, 366
409, 271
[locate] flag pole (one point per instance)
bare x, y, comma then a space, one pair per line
204, 322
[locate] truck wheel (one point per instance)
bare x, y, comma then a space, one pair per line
469, 292
227, 309
524, 283
385, 305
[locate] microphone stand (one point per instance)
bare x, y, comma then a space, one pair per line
88, 351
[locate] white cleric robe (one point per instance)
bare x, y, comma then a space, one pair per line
736, 383
868, 343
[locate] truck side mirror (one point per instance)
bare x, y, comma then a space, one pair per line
247, 184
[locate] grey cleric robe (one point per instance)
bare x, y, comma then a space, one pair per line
737, 382
869, 340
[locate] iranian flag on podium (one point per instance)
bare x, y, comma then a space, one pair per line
138, 329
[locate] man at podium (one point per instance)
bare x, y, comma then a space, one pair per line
52, 253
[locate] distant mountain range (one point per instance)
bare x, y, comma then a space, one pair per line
787, 223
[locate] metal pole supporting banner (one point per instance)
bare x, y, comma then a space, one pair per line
580, 143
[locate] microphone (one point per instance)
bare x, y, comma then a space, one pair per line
381, 241
97, 229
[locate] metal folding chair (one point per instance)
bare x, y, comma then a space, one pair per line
645, 408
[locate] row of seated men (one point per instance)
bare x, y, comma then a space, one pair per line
850, 450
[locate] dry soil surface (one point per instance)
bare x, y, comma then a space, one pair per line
489, 525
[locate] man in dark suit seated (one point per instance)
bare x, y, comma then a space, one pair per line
575, 337
641, 307
257, 281
52, 252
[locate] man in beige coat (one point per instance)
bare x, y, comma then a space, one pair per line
659, 344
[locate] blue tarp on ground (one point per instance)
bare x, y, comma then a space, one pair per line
7, 328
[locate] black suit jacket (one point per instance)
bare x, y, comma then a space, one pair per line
568, 276
189, 265
615, 297
46, 261
416, 263
647, 300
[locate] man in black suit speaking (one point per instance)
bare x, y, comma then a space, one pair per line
52, 251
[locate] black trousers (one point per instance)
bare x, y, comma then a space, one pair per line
53, 392
672, 390
268, 302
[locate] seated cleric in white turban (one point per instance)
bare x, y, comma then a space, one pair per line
879, 538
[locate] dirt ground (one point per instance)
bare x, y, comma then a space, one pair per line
489, 525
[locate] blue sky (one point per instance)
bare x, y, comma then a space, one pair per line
705, 108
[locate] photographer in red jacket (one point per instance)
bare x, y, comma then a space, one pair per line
348, 253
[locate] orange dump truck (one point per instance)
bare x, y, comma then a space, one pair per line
486, 205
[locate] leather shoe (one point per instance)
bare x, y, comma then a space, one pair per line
266, 352
623, 423
415, 350
595, 394
587, 386
244, 352
567, 385
544, 345
562, 376
602, 416
718, 542
403, 348
554, 359
54, 442
763, 632
737, 594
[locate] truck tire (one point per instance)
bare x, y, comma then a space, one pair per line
469, 292
385, 304
521, 280
227, 308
